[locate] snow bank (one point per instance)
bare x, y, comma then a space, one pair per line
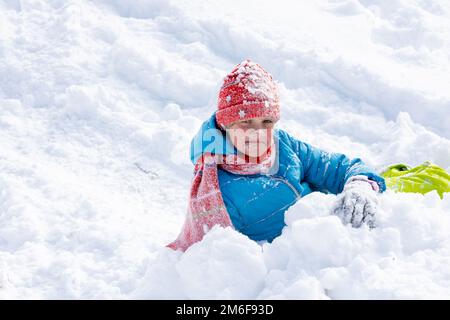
317, 257
99, 101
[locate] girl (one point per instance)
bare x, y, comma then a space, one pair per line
247, 173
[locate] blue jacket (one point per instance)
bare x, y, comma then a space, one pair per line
257, 203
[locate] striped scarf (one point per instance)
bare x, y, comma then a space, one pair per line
206, 206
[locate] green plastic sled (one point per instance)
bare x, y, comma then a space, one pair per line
421, 179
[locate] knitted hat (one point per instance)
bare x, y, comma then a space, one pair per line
247, 92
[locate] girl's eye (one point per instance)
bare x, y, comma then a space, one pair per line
267, 121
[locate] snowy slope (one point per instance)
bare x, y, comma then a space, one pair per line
99, 101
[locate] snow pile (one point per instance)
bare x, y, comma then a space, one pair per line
317, 257
99, 101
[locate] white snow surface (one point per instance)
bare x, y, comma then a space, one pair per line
99, 101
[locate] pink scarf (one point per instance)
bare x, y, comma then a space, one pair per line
206, 207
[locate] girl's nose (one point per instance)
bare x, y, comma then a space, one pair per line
257, 126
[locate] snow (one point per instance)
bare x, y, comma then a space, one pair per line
99, 101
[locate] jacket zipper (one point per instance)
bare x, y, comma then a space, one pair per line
298, 196
289, 185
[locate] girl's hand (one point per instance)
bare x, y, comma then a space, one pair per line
357, 203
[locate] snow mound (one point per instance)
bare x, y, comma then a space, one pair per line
317, 257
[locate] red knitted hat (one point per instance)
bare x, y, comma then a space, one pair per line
247, 92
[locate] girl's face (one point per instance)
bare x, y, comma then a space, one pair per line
252, 137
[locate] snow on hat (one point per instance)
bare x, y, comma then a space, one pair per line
247, 92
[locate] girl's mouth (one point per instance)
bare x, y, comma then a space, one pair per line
251, 141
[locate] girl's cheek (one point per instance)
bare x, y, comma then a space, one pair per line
264, 136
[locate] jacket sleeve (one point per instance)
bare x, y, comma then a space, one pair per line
328, 172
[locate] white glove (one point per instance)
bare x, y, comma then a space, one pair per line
357, 203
